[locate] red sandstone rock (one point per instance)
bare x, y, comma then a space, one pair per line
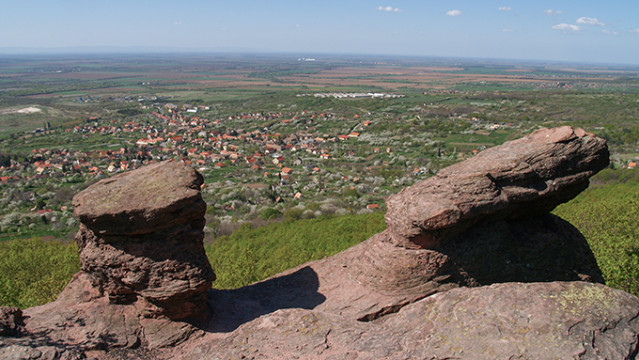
524, 177
558, 320
141, 236
143, 201
143, 268
376, 277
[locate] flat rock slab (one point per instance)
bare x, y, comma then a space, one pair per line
524, 177
559, 320
146, 200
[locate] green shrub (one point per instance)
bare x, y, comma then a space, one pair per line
292, 214
34, 271
270, 213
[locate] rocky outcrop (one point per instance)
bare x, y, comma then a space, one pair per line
558, 320
141, 237
471, 266
506, 244
377, 278
524, 177
144, 268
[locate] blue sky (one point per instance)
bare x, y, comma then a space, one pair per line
576, 30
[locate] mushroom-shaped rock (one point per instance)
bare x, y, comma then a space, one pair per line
524, 177
141, 236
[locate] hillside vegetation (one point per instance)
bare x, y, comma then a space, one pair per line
34, 271
607, 214
250, 255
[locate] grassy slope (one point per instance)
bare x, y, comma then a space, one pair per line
607, 214
249, 255
34, 271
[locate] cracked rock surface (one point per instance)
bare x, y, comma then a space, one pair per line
557, 320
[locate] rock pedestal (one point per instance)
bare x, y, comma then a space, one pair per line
144, 270
141, 238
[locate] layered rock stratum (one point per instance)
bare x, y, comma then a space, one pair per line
521, 178
471, 266
141, 237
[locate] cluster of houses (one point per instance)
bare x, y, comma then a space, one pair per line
252, 141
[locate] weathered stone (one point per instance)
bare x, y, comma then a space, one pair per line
524, 177
141, 236
11, 321
169, 268
83, 320
376, 277
147, 200
555, 320
143, 267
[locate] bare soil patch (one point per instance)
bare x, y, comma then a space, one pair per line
26, 110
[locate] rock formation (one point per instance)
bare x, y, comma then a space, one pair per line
471, 266
143, 266
557, 320
141, 237
525, 177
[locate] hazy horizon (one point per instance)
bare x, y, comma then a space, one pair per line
561, 31
125, 52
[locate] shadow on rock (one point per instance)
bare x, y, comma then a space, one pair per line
40, 345
232, 308
540, 249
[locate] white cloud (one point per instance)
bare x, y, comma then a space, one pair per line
551, 12
506, 30
589, 21
609, 32
504, 8
177, 23
453, 12
388, 8
636, 31
566, 27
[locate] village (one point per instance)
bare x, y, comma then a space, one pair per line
257, 166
